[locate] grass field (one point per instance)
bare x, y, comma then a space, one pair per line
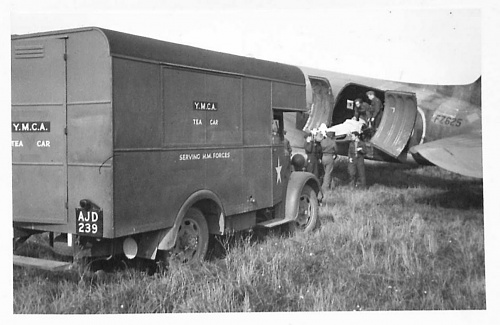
413, 241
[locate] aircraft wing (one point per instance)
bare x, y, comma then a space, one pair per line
460, 154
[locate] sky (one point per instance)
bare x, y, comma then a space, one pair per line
436, 42
419, 44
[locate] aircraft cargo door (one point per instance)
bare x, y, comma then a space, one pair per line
39, 163
398, 120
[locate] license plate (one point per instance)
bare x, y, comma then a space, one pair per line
89, 222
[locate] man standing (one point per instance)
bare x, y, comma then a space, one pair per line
356, 166
314, 153
375, 114
329, 148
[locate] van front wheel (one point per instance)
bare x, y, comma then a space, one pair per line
307, 216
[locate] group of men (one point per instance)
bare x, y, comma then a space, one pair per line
321, 151
321, 147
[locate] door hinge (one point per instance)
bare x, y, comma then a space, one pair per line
65, 57
66, 205
66, 131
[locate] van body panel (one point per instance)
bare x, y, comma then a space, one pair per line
67, 84
39, 165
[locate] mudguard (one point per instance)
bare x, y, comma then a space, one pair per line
295, 185
170, 237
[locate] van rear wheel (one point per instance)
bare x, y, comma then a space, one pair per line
307, 216
192, 239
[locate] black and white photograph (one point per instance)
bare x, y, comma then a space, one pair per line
249, 161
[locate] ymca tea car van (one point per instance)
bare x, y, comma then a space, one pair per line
128, 145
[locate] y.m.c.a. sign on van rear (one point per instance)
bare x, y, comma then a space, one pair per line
30, 126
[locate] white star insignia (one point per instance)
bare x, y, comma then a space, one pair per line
278, 172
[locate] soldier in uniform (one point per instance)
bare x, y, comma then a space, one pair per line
375, 112
329, 149
314, 154
356, 166
361, 109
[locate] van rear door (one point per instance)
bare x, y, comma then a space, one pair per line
396, 126
39, 164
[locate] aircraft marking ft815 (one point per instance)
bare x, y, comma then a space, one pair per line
427, 124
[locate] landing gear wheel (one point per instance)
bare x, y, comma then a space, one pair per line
307, 216
192, 238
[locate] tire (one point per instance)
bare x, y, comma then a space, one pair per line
192, 239
307, 216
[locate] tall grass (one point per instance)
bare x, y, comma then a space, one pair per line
412, 241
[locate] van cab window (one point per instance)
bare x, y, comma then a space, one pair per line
277, 129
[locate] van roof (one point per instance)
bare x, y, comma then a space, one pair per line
145, 48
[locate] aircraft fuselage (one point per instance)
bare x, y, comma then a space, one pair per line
413, 114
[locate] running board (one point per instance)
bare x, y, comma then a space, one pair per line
272, 223
39, 263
